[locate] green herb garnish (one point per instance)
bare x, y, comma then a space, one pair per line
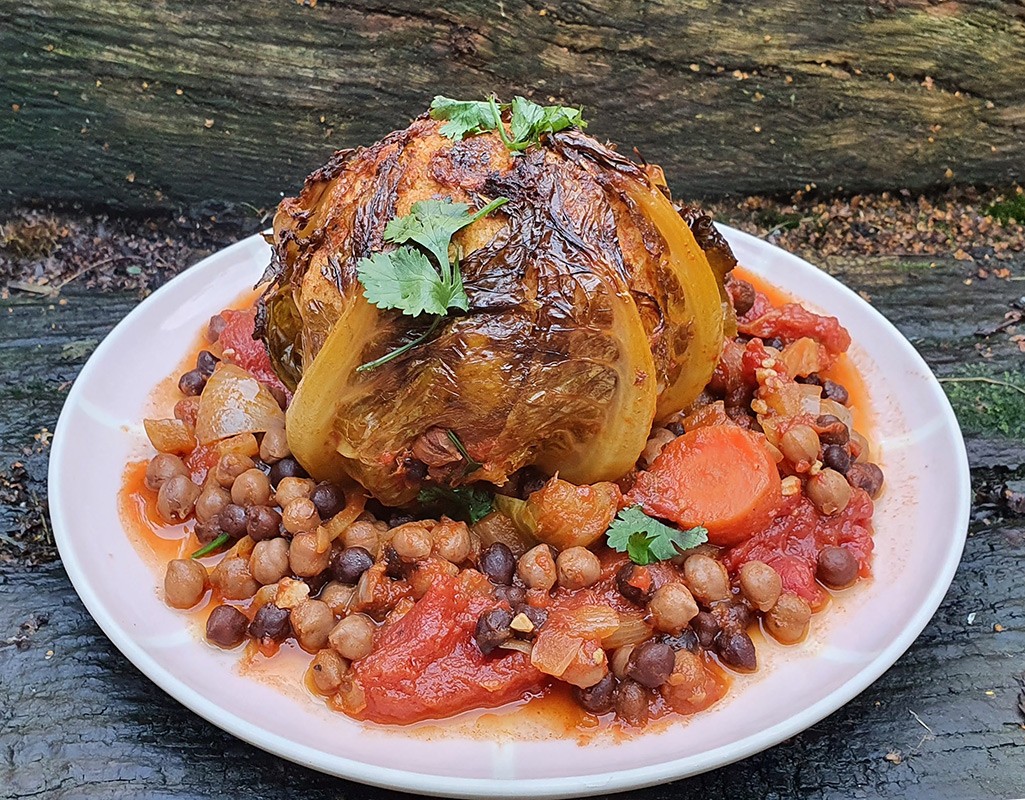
647, 540
211, 546
406, 278
528, 120
468, 503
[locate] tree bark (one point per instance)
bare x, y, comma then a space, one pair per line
181, 104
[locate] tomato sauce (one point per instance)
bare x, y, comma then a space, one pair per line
449, 672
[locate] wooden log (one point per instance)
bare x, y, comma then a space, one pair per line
188, 104
77, 720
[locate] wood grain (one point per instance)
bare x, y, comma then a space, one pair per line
210, 103
78, 721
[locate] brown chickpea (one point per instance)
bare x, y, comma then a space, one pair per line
761, 584
161, 468
577, 568
800, 445
672, 607
706, 578
269, 562
230, 466
412, 541
327, 671
274, 446
300, 516
836, 567
233, 578
363, 534
176, 498
788, 620
632, 703
536, 568
338, 597
211, 502
312, 621
867, 476
251, 488
829, 491
306, 556
353, 637
291, 488
451, 541
184, 582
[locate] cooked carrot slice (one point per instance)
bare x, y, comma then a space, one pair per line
721, 477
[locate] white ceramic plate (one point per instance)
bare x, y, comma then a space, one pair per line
921, 522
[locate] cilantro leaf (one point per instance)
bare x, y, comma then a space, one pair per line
465, 117
405, 279
468, 503
528, 121
646, 540
433, 223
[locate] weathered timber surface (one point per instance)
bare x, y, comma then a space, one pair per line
189, 103
78, 721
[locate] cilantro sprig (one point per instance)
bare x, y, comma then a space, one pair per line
528, 121
468, 503
646, 540
407, 279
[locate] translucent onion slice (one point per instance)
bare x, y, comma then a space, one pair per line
235, 402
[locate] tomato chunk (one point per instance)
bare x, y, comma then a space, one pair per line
427, 666
242, 349
792, 543
791, 322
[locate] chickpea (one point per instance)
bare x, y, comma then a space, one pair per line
184, 582
412, 541
233, 578
672, 607
353, 637
306, 556
761, 584
274, 446
312, 621
327, 670
229, 467
829, 491
788, 620
363, 534
536, 568
577, 568
226, 627
706, 578
161, 468
836, 567
867, 476
632, 703
339, 597
451, 541
290, 489
800, 445
300, 515
620, 659
262, 522
251, 488
176, 498
211, 502
269, 562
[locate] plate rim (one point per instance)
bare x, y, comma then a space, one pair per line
566, 786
